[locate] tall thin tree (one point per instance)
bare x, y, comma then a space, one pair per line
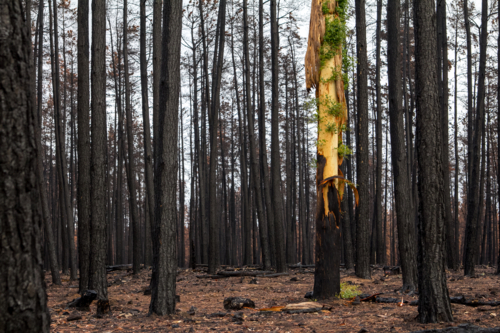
166, 164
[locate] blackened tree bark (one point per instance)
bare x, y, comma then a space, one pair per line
264, 165
275, 149
362, 212
214, 248
404, 209
134, 217
470, 110
498, 124
434, 303
83, 145
473, 203
254, 163
327, 274
148, 154
442, 63
22, 309
61, 153
98, 227
378, 187
166, 164
202, 155
157, 17
245, 211
49, 235
456, 248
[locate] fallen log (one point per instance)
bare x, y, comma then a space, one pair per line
118, 268
238, 303
462, 328
273, 275
208, 276
388, 300
83, 303
244, 273
301, 266
312, 310
468, 302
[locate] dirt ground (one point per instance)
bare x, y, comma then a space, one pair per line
130, 306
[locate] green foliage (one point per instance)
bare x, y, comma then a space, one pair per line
331, 128
321, 142
342, 6
344, 150
335, 30
336, 73
332, 108
348, 291
325, 8
335, 34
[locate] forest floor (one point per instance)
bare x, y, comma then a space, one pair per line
129, 305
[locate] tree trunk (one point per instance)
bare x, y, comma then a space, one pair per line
378, 186
254, 163
473, 204
98, 279
148, 154
434, 303
134, 218
262, 139
498, 129
404, 209
83, 145
165, 257
275, 150
442, 62
61, 162
23, 306
214, 250
362, 212
49, 235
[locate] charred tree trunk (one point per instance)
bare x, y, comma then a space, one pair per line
473, 204
275, 150
24, 302
434, 303
165, 257
83, 145
404, 209
98, 280
134, 218
362, 212
148, 154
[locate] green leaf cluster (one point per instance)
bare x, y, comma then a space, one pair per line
348, 291
335, 30
332, 108
343, 150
